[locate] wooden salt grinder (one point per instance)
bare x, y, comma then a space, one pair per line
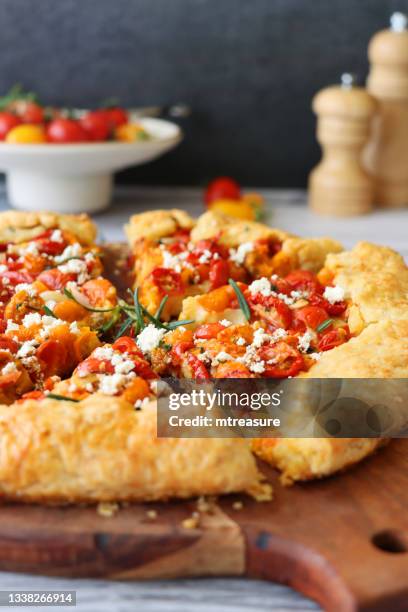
387, 153
339, 185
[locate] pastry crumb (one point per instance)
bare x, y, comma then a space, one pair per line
107, 509
192, 521
151, 514
206, 504
238, 505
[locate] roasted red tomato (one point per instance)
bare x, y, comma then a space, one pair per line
8, 344
271, 309
125, 344
92, 365
7, 122
208, 331
31, 112
334, 310
219, 273
198, 369
311, 316
54, 279
48, 246
96, 124
222, 188
285, 360
177, 351
303, 280
53, 356
333, 338
168, 281
16, 278
64, 131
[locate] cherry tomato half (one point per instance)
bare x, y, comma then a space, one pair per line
7, 122
219, 273
64, 131
198, 369
96, 125
208, 331
333, 338
311, 316
168, 281
304, 280
287, 361
92, 365
30, 112
221, 188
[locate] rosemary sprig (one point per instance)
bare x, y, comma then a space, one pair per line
49, 312
61, 397
324, 325
72, 297
243, 304
160, 308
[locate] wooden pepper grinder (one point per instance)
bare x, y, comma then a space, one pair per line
339, 185
387, 153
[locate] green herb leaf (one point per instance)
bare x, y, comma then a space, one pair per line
49, 312
324, 325
160, 308
243, 304
112, 321
124, 328
71, 297
174, 324
61, 397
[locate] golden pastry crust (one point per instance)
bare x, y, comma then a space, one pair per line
376, 280
16, 226
309, 253
101, 449
231, 231
156, 224
311, 458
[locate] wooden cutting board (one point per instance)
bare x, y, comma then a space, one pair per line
341, 541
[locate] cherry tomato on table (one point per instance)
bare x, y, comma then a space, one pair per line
222, 188
62, 131
7, 122
116, 116
30, 112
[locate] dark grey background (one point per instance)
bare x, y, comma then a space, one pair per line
248, 68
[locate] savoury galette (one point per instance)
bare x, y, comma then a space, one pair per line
212, 298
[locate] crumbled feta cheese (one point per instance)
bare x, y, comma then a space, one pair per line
27, 288
262, 286
73, 328
304, 341
72, 250
51, 304
278, 334
56, 236
334, 294
315, 356
76, 266
11, 326
9, 368
27, 348
103, 352
238, 255
149, 338
30, 249
258, 367
260, 337
3, 268
112, 384
222, 356
225, 322
5, 280
240, 341
32, 318
205, 257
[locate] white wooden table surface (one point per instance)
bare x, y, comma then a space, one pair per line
286, 210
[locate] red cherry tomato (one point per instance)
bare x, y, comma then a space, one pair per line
287, 360
208, 331
333, 338
92, 365
30, 112
304, 280
311, 316
96, 125
55, 279
8, 344
125, 344
219, 273
198, 369
271, 309
178, 350
9, 379
335, 310
16, 278
63, 131
222, 188
53, 356
142, 368
168, 281
116, 116
7, 122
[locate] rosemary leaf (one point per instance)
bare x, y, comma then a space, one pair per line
124, 327
243, 304
49, 312
324, 325
173, 324
61, 397
160, 308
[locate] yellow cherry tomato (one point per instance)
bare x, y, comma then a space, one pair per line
234, 208
130, 132
256, 201
27, 133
